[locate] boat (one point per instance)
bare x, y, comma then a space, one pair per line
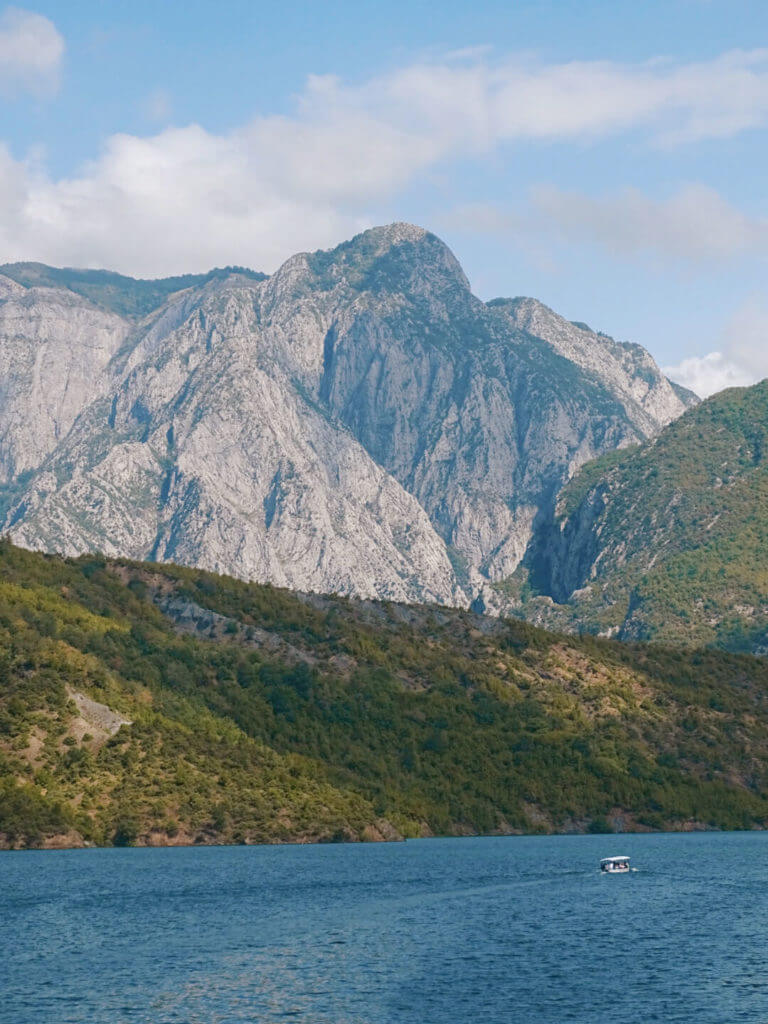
615, 865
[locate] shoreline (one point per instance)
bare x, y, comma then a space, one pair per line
58, 843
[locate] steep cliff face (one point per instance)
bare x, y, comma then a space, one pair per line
627, 371
53, 351
205, 452
479, 411
359, 422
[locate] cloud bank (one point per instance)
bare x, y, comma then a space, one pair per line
186, 198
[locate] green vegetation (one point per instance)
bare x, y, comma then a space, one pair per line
126, 296
669, 540
254, 714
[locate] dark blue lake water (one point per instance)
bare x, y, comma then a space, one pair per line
457, 930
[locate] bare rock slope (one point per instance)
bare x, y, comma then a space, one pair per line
359, 422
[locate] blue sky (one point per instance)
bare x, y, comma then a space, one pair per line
606, 157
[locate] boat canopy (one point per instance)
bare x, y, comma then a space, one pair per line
613, 860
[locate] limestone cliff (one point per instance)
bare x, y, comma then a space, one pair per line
359, 422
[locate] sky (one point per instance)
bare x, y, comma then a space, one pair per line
608, 158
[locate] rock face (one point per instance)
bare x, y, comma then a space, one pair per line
359, 422
53, 350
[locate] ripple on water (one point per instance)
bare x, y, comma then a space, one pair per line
487, 930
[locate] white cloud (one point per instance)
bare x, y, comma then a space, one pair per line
31, 52
693, 226
518, 99
181, 200
743, 358
706, 375
696, 224
185, 198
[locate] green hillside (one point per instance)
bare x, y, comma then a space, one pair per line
668, 541
253, 714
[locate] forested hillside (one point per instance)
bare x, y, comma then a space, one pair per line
669, 540
151, 704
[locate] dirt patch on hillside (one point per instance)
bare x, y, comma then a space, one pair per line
98, 721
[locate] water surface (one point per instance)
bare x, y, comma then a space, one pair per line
451, 931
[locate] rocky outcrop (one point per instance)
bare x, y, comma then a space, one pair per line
359, 422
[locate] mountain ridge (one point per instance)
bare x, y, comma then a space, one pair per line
359, 405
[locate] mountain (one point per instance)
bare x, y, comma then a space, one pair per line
145, 703
357, 423
667, 541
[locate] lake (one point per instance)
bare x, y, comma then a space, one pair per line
521, 929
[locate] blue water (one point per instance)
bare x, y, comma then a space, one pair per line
451, 931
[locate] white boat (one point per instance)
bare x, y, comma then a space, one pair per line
615, 865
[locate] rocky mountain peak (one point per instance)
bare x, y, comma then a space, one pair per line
531, 315
400, 258
386, 235
359, 422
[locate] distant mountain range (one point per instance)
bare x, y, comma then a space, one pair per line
359, 422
